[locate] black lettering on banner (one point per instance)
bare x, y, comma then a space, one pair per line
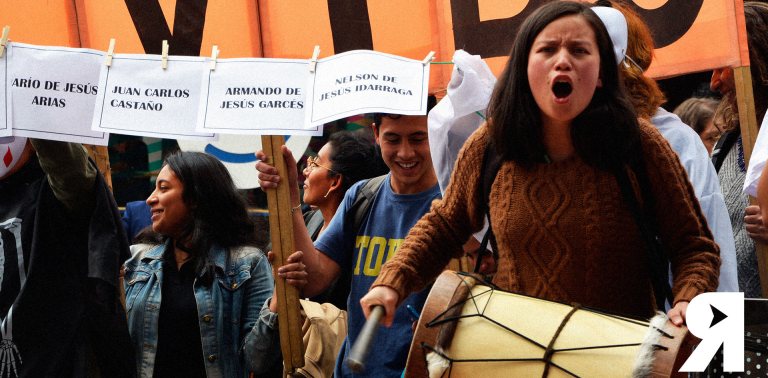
152, 27
495, 37
486, 38
670, 21
350, 25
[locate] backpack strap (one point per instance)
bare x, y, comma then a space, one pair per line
658, 261
361, 206
723, 146
491, 164
314, 221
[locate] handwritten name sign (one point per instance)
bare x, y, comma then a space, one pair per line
364, 81
255, 96
138, 97
51, 92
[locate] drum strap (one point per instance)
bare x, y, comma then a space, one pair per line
491, 164
551, 347
658, 261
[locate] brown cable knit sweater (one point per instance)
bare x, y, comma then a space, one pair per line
564, 231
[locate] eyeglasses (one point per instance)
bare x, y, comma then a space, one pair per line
312, 164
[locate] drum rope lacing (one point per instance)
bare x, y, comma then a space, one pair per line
549, 350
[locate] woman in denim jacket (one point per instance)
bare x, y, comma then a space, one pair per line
194, 295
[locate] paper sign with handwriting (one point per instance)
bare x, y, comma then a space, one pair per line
51, 93
138, 97
255, 96
364, 81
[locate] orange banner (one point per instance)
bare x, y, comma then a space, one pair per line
691, 35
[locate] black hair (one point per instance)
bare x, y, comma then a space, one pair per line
354, 157
605, 135
218, 214
431, 102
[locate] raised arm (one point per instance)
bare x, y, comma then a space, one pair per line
321, 269
70, 174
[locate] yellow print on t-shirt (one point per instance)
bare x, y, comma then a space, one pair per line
374, 248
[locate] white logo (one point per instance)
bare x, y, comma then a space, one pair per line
717, 319
9, 354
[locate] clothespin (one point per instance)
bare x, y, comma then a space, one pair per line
429, 58
313, 61
110, 53
214, 56
4, 40
165, 54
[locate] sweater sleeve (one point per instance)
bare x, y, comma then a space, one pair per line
70, 174
681, 223
439, 235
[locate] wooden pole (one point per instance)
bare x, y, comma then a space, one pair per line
281, 232
100, 154
748, 123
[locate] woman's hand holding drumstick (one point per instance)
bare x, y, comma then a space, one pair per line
677, 314
381, 296
378, 304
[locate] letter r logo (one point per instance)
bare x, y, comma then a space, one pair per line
717, 319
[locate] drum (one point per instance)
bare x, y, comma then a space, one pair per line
469, 329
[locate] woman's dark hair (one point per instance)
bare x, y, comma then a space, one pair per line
605, 135
218, 214
354, 156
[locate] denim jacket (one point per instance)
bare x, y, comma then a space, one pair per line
228, 310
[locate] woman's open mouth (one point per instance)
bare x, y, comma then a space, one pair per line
562, 89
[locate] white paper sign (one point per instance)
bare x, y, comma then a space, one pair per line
51, 92
364, 81
138, 97
255, 96
5, 125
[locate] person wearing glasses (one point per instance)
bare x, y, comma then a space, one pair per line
347, 158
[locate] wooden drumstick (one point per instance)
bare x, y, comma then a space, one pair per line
356, 359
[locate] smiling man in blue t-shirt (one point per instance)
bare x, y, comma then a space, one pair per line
405, 195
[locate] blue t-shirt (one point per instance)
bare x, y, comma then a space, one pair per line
391, 217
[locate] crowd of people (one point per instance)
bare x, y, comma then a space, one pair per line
593, 194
